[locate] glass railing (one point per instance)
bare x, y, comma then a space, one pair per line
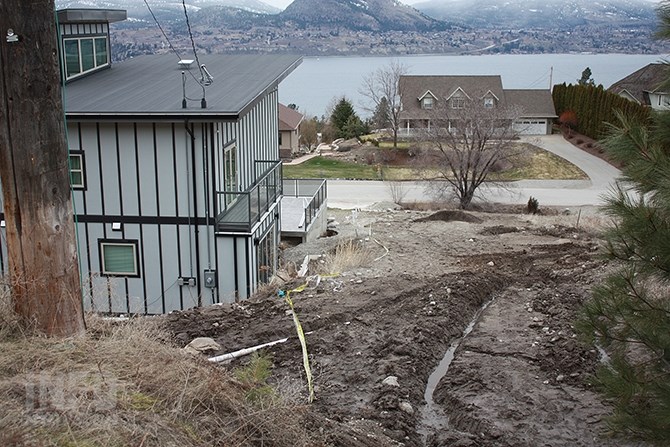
240, 211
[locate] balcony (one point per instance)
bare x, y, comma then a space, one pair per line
240, 211
302, 208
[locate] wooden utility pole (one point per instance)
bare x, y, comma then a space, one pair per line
34, 168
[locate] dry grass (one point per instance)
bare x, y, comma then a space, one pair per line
125, 384
347, 255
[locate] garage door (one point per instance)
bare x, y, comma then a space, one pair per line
531, 127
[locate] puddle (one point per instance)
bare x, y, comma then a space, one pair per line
432, 417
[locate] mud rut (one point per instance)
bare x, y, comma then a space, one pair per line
518, 379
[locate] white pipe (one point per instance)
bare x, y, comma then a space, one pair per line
243, 352
247, 351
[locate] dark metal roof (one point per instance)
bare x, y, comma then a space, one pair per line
151, 86
91, 15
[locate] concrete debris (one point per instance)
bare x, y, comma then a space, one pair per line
201, 344
391, 381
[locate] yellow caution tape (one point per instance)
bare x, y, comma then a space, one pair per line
301, 334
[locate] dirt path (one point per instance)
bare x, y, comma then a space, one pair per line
378, 331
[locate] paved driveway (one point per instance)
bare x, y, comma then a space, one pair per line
570, 193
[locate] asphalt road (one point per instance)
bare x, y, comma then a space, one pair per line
347, 194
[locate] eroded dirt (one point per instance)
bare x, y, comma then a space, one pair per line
520, 378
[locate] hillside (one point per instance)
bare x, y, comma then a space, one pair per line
168, 9
541, 14
378, 15
386, 27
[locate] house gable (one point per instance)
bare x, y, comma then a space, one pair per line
640, 83
415, 87
289, 119
458, 93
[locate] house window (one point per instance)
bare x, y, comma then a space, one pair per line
77, 171
119, 258
230, 173
266, 253
84, 54
488, 103
428, 103
457, 103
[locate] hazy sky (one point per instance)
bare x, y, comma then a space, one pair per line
284, 3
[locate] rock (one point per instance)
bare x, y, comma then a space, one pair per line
406, 407
560, 378
391, 381
201, 344
491, 264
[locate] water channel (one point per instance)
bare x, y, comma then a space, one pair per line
432, 417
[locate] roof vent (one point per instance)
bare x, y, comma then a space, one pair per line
185, 63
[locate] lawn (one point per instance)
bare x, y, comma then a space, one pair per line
325, 167
536, 165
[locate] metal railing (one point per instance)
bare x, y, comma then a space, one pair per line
240, 211
314, 189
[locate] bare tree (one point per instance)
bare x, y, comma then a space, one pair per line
382, 88
34, 168
309, 129
470, 138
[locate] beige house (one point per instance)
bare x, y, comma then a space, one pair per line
289, 131
422, 95
643, 87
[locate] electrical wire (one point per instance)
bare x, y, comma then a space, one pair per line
190, 34
174, 50
162, 30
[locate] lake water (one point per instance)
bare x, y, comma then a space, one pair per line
314, 84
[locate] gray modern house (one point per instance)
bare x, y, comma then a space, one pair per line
175, 170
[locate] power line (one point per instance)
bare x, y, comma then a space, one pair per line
162, 31
190, 33
175, 50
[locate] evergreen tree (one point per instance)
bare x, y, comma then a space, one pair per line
629, 314
381, 117
345, 121
353, 128
586, 77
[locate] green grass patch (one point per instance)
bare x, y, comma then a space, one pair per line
324, 167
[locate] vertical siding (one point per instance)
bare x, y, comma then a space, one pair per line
151, 178
156, 179
255, 136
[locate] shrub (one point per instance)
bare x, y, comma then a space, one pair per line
533, 205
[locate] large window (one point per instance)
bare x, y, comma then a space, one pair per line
488, 103
427, 103
119, 258
230, 172
84, 54
457, 103
77, 180
266, 253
